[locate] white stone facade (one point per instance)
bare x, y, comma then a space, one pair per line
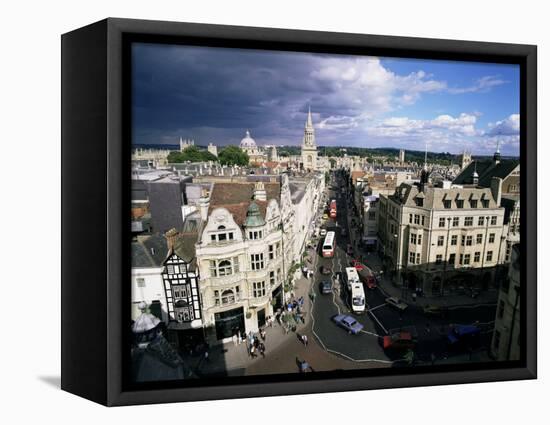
426, 231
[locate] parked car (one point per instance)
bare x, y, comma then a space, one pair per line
323, 232
398, 341
396, 303
463, 337
326, 287
349, 250
326, 270
325, 216
348, 323
436, 311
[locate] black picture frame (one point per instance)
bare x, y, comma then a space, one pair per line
95, 206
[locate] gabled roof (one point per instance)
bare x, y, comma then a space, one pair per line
184, 248
434, 196
486, 171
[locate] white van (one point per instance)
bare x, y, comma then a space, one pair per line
356, 290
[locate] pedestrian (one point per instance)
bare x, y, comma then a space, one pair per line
262, 350
206, 357
414, 296
262, 334
304, 340
252, 352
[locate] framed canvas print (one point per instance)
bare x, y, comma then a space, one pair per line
252, 212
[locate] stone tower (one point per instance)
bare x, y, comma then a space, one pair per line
213, 149
309, 149
465, 159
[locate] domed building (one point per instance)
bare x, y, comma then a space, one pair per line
255, 154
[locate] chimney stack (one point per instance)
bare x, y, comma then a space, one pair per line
259, 192
496, 189
204, 204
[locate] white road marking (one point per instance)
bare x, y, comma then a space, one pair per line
370, 333
377, 307
378, 321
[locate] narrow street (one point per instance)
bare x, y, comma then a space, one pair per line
381, 318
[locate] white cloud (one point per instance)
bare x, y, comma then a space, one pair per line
463, 125
482, 85
506, 127
340, 122
446, 133
364, 85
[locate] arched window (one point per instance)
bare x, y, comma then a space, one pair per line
181, 303
228, 297
224, 268
221, 227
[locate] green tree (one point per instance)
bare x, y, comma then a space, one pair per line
191, 154
233, 155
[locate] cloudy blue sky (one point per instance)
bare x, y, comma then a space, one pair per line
215, 94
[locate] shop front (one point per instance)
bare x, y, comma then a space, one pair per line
229, 323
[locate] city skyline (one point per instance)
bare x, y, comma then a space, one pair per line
215, 94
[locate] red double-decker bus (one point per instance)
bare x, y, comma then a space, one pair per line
333, 208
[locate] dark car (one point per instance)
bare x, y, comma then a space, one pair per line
398, 341
326, 270
348, 323
326, 287
464, 337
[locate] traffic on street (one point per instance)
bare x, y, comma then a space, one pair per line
387, 329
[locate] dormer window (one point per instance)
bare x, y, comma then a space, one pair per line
419, 202
254, 235
222, 236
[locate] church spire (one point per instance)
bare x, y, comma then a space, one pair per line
496, 156
309, 122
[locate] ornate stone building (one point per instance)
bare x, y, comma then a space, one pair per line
256, 155
440, 239
253, 235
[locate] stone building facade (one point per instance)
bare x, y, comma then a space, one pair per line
506, 342
254, 234
442, 240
